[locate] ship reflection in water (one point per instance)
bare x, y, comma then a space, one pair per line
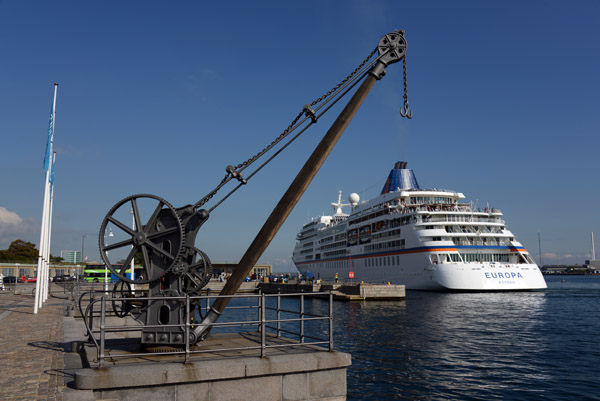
461, 346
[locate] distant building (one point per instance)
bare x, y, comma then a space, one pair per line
30, 269
554, 269
71, 256
593, 264
229, 268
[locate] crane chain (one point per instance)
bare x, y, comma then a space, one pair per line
306, 110
405, 111
335, 88
315, 102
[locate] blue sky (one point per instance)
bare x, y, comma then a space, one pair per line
158, 97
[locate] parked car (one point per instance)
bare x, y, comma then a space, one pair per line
62, 278
25, 279
11, 279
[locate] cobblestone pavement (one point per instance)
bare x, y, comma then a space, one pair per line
31, 349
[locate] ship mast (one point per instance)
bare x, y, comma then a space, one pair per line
339, 205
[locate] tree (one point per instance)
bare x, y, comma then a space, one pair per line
56, 259
20, 251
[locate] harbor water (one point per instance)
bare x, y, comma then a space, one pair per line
542, 345
537, 345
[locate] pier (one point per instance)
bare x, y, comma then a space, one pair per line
341, 291
49, 356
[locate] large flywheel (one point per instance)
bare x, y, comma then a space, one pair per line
146, 226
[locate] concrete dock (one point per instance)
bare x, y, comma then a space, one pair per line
45, 357
341, 291
285, 374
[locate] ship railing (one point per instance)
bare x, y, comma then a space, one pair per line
460, 219
263, 312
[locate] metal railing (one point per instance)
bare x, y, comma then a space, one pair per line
272, 322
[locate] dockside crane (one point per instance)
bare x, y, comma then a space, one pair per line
163, 237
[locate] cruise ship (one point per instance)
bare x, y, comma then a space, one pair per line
426, 239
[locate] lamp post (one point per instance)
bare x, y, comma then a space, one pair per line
110, 234
83, 237
132, 274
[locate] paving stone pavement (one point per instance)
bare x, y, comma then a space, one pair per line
31, 349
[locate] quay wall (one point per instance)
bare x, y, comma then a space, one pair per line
299, 377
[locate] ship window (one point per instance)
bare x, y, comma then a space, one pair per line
501, 257
454, 257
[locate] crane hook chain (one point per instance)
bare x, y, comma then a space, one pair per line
405, 111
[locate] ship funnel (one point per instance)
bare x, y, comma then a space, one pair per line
400, 178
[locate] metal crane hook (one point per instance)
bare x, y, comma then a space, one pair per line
405, 111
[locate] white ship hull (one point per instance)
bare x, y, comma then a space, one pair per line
443, 277
423, 239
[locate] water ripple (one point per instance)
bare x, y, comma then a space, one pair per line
515, 346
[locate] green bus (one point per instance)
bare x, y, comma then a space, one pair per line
97, 273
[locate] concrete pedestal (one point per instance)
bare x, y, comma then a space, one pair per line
295, 373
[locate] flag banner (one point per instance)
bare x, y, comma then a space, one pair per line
49, 143
52, 171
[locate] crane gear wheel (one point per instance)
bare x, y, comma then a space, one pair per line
159, 239
122, 289
198, 270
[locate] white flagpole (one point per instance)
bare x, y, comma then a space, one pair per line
41, 273
42, 267
49, 235
42, 244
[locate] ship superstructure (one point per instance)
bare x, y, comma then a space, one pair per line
427, 239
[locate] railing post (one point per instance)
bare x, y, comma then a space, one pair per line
279, 313
261, 300
91, 317
187, 328
102, 334
330, 320
262, 325
302, 319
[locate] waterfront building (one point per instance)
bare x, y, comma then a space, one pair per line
71, 256
30, 269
